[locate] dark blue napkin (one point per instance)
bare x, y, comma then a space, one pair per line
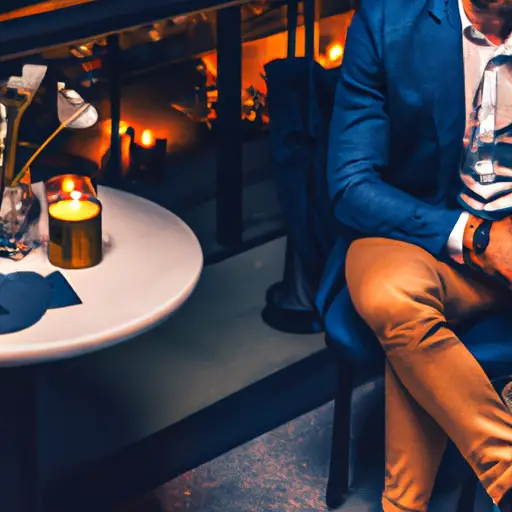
24, 299
63, 294
26, 296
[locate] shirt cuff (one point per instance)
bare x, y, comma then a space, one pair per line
456, 238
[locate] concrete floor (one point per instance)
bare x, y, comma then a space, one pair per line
216, 345
286, 470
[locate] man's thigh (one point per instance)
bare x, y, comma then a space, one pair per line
381, 272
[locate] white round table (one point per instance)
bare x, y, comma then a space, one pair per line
152, 262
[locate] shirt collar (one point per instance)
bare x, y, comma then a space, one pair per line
469, 31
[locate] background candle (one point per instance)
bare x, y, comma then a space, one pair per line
75, 239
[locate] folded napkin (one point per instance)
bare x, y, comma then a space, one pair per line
24, 299
26, 296
62, 294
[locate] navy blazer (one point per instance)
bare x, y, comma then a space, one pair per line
397, 129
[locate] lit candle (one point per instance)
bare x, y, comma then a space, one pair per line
333, 55
149, 156
74, 216
73, 210
335, 52
147, 139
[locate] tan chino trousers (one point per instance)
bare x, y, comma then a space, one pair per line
435, 388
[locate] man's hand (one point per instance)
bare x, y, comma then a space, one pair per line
488, 247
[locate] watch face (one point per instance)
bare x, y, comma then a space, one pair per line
481, 237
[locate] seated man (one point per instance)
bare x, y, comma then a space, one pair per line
428, 247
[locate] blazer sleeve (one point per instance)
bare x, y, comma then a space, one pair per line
359, 148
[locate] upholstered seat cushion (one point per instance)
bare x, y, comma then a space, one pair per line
489, 339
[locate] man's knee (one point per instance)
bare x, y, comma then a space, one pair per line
392, 285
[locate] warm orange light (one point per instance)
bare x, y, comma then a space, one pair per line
335, 52
212, 96
123, 126
251, 116
154, 35
147, 138
73, 210
68, 185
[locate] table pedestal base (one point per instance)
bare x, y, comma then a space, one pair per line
19, 486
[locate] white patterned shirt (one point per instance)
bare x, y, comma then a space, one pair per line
477, 52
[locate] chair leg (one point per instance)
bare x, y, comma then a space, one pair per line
338, 480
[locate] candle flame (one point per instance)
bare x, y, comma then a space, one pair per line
147, 138
335, 52
68, 185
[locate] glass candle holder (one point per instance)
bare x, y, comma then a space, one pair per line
74, 217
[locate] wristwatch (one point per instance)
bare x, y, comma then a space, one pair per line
476, 239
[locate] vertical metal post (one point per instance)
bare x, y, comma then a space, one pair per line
292, 15
114, 172
229, 127
312, 33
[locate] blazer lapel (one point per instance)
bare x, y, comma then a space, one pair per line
444, 62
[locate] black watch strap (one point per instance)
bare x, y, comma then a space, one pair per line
482, 237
